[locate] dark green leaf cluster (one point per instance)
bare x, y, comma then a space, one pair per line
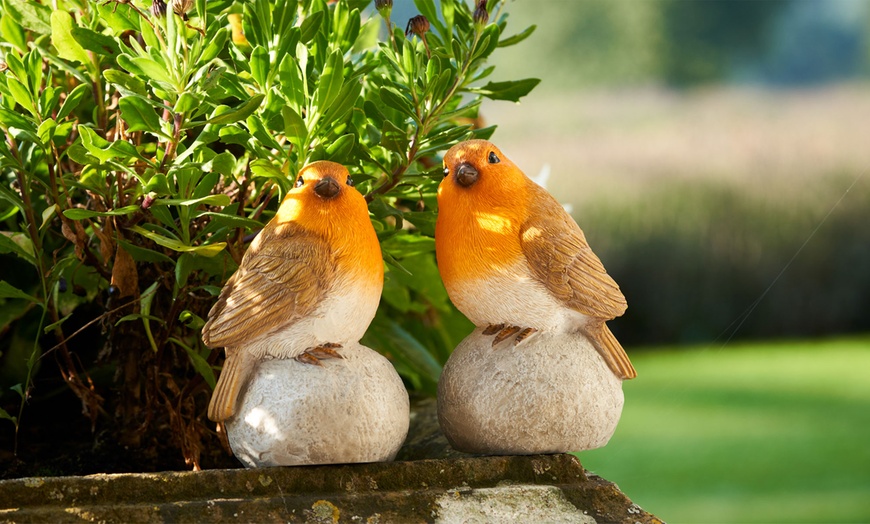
144, 150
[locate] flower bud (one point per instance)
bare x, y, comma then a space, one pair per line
147, 200
181, 7
158, 8
417, 25
384, 5
480, 16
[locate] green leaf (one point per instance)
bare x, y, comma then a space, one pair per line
13, 119
126, 81
11, 32
24, 249
290, 81
517, 38
79, 154
422, 220
229, 220
259, 62
222, 163
145, 305
102, 149
81, 214
139, 114
73, 99
215, 45
51, 327
150, 68
201, 365
187, 102
62, 24
46, 130
206, 250
294, 126
5, 415
47, 215
310, 26
488, 42
338, 150
182, 269
264, 168
191, 319
510, 90
344, 102
224, 115
7, 290
212, 200
330, 81
409, 59
392, 98
30, 15
95, 42
20, 94
141, 254
258, 129
95, 144
394, 138
119, 16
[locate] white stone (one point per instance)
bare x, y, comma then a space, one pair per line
353, 409
551, 394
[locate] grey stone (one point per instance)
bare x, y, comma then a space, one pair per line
553, 393
350, 409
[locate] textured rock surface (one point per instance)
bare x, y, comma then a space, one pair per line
353, 409
540, 488
552, 394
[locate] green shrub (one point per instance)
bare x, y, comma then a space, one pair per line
143, 148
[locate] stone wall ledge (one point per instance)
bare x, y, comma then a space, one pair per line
430, 483
482, 489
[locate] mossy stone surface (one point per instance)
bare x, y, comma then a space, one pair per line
430, 488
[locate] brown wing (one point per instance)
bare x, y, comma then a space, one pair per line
282, 278
562, 260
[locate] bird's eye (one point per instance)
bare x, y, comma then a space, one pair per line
299, 182
492, 158
349, 181
446, 171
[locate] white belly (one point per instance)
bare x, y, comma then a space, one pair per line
511, 296
342, 317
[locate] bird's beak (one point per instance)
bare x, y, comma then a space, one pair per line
327, 187
466, 175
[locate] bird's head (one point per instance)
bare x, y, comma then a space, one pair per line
323, 193
478, 172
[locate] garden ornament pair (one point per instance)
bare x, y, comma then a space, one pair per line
541, 373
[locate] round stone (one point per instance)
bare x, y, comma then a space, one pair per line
551, 394
353, 409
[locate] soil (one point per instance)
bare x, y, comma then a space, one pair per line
55, 439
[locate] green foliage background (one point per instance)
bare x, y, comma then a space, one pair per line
144, 150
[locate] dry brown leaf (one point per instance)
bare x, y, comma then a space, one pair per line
124, 274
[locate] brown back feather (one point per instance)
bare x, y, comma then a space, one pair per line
562, 260
282, 278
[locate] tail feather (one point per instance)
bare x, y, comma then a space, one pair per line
612, 352
234, 376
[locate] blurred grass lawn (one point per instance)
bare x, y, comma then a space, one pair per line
766, 432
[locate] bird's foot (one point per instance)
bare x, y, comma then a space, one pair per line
503, 332
316, 354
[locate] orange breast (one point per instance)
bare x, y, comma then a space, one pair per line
474, 238
345, 225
